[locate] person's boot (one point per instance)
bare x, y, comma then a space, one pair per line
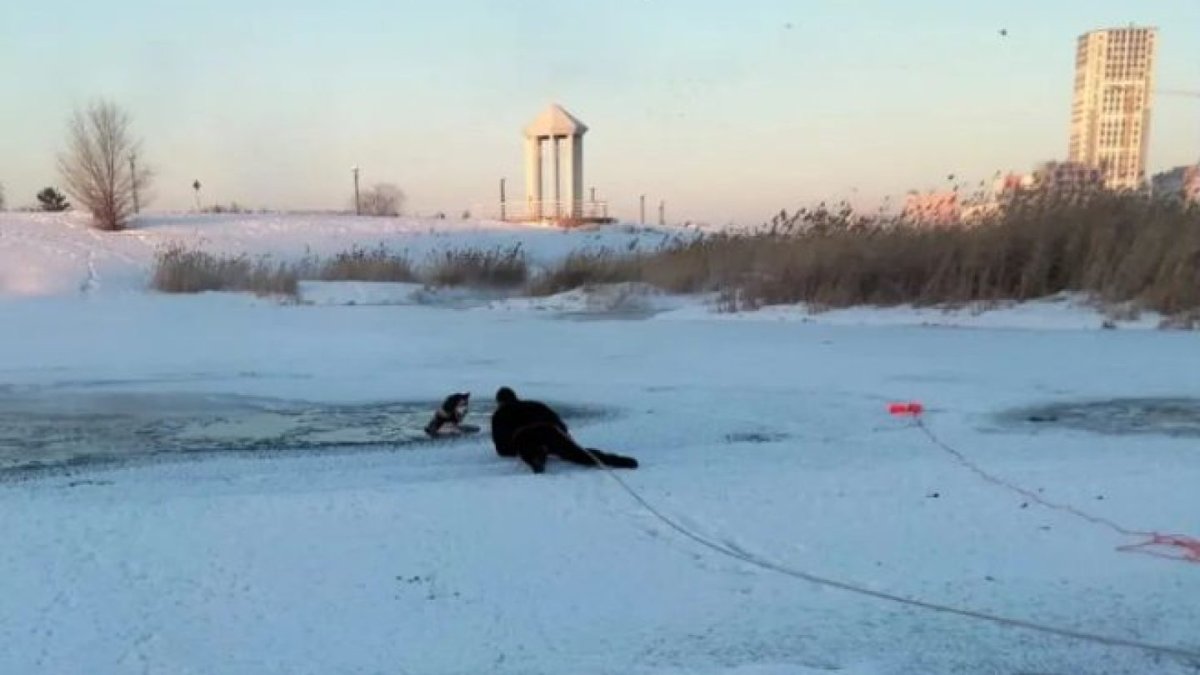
537, 463
614, 461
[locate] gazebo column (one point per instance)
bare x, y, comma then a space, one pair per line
574, 177
533, 177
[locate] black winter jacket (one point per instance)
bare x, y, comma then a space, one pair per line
512, 417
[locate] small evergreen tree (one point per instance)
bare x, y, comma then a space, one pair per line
53, 200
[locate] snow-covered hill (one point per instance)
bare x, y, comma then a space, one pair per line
56, 254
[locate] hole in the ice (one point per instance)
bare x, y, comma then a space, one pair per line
45, 431
1176, 416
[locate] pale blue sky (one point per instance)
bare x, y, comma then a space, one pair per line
728, 110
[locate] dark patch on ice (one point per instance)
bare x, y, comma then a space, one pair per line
755, 437
54, 432
935, 378
609, 315
1168, 416
77, 483
110, 383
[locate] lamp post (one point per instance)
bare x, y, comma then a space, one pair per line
357, 203
133, 181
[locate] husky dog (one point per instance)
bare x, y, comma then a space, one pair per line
451, 414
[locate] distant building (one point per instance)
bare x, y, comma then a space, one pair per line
1110, 114
980, 211
1008, 186
1012, 182
933, 208
1067, 178
1182, 182
1048, 178
1005, 190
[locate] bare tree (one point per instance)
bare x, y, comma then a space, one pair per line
98, 168
384, 199
1, 196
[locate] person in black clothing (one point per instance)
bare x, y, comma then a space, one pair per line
532, 431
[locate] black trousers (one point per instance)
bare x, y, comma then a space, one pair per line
535, 443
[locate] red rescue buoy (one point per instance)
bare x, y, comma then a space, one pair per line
906, 408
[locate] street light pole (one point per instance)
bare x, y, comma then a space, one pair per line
133, 181
357, 203
642, 210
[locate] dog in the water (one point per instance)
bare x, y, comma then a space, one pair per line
448, 418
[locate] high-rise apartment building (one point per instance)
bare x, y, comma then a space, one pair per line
1110, 115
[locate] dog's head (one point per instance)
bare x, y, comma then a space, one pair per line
456, 406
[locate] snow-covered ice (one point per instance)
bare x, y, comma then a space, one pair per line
769, 435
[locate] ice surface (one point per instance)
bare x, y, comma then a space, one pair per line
771, 434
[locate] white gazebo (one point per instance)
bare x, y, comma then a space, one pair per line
564, 134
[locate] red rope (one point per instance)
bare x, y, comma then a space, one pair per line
737, 553
1190, 547
1169, 546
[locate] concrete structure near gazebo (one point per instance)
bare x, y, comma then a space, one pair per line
563, 133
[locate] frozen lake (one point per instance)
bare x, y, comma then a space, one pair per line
355, 550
